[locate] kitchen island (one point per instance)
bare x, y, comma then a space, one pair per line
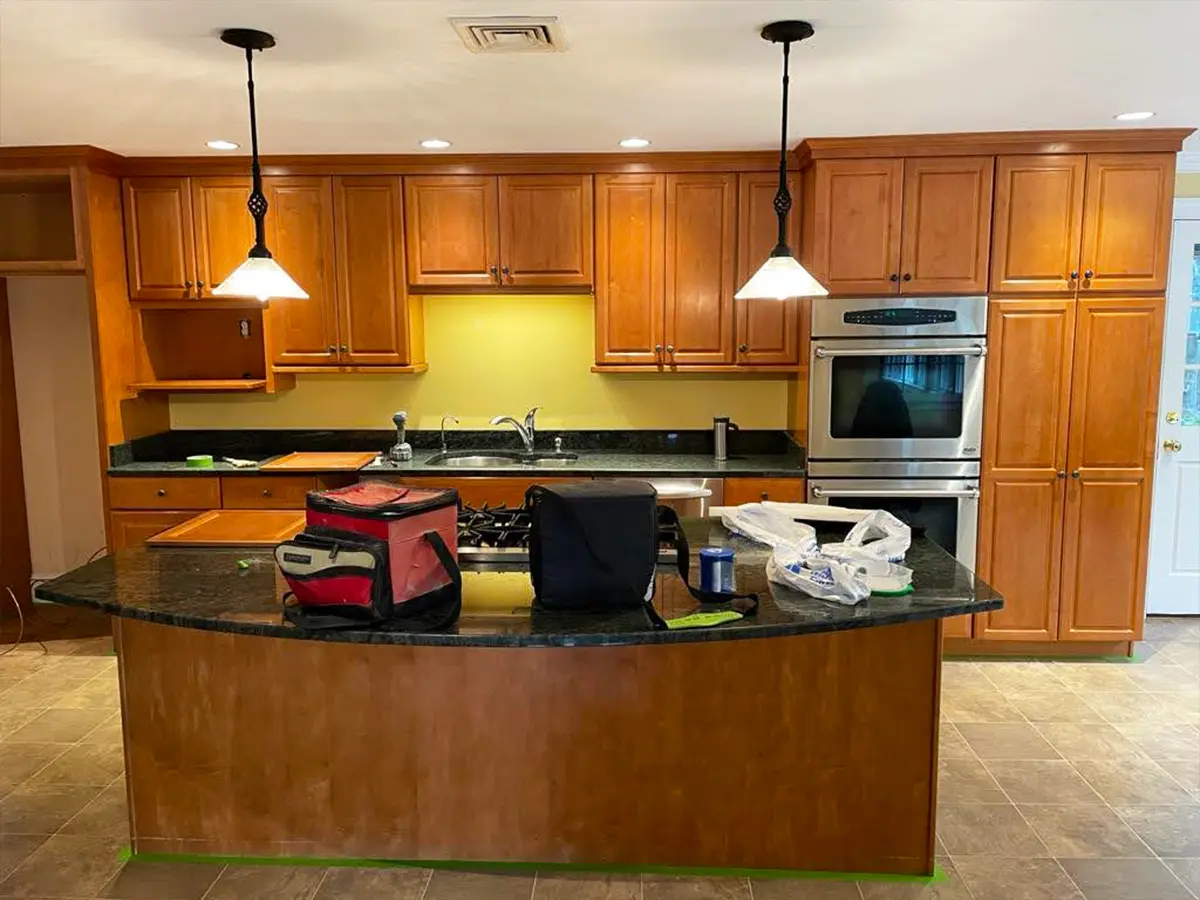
802, 738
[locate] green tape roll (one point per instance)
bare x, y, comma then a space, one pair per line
201, 461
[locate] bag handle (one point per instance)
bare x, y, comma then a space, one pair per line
667, 516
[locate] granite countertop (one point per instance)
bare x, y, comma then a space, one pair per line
205, 589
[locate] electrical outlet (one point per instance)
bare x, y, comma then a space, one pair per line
244, 327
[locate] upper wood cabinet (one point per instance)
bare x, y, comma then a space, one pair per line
513, 230
630, 232
766, 332
701, 226
160, 249
911, 226
1098, 222
224, 229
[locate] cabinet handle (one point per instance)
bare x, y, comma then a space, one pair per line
763, 496
494, 272
907, 276
504, 271
1075, 473
199, 286
266, 492
742, 348
332, 349
658, 351
344, 348
895, 276
162, 492
1062, 474
1088, 273
671, 351
188, 285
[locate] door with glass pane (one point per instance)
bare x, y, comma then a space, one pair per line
1173, 580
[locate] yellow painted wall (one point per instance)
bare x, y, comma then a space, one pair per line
493, 356
1187, 184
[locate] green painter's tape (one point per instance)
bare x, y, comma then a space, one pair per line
939, 875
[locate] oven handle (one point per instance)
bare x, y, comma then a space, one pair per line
971, 493
971, 350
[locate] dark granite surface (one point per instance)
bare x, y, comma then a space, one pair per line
205, 589
665, 453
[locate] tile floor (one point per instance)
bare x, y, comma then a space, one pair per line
1059, 780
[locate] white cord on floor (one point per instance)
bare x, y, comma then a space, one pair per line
20, 625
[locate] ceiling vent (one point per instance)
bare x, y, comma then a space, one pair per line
511, 34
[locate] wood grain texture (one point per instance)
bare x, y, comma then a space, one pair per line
853, 243
1038, 220
202, 344
160, 245
946, 226
766, 333
131, 527
39, 223
453, 230
1127, 221
755, 490
165, 492
266, 491
594, 759
701, 243
223, 227
232, 527
630, 281
960, 647
15, 563
318, 461
546, 230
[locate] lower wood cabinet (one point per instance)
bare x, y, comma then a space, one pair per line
165, 492
266, 491
755, 490
129, 528
492, 490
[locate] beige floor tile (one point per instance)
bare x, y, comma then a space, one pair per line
1184, 771
163, 881
584, 886
42, 809
987, 829
1042, 781
952, 888
1182, 654
107, 732
1164, 740
1119, 708
1088, 740
95, 764
976, 705
14, 717
1169, 830
87, 666
1095, 676
1007, 741
1165, 679
1020, 676
16, 848
790, 889
66, 865
266, 883
58, 726
951, 744
99, 693
1132, 782
1182, 707
958, 676
1124, 879
374, 884
41, 691
19, 761
967, 781
1016, 879
1187, 871
1084, 831
668, 887
107, 814
1052, 706
1170, 628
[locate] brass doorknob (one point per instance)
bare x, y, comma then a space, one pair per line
1172, 445
1172, 418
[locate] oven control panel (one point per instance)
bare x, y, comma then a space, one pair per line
899, 316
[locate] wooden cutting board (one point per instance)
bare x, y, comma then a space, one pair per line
233, 528
318, 462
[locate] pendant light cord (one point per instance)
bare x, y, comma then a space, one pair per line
783, 197
258, 200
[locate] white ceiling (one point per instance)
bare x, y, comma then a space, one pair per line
375, 76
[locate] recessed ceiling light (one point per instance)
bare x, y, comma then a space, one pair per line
1133, 116
222, 145
635, 143
435, 144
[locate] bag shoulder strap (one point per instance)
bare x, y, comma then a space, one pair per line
667, 516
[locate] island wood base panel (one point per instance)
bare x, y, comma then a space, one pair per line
814, 752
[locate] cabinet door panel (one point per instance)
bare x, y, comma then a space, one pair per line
1037, 222
546, 230
630, 230
452, 223
754, 490
224, 228
1020, 554
1127, 221
767, 331
159, 244
300, 225
132, 528
856, 225
698, 304
373, 325
947, 224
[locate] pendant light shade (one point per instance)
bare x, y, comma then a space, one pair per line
782, 277
259, 276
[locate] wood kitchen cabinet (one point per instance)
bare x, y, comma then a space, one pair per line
131, 528
755, 490
473, 231
766, 332
909, 226
223, 227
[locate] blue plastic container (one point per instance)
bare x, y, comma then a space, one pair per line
716, 569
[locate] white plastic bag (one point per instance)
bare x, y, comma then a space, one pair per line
765, 525
875, 542
817, 576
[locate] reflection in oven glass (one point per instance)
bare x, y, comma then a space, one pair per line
903, 396
935, 517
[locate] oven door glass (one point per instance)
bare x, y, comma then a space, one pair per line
909, 395
935, 517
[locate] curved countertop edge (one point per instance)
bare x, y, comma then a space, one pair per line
742, 631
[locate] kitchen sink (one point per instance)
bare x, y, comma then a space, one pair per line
471, 459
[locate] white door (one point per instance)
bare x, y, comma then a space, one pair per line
1173, 579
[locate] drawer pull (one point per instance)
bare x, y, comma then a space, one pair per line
763, 496
266, 492
162, 492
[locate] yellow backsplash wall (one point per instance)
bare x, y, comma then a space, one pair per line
500, 355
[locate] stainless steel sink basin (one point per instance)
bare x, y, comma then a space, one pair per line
473, 459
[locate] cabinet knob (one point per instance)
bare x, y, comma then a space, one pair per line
895, 276
1074, 276
188, 285
494, 273
199, 286
907, 276
344, 348
658, 351
742, 348
1087, 275
1062, 474
671, 349
763, 496
266, 492
162, 492
504, 271
1074, 473
332, 349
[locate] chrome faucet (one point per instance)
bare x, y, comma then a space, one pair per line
401, 451
445, 419
526, 431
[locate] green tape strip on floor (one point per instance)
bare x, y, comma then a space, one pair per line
939, 875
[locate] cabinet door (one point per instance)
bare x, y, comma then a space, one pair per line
546, 230
767, 331
159, 246
754, 490
698, 302
630, 230
371, 299
131, 528
1110, 457
1127, 221
452, 223
1038, 218
946, 225
855, 242
224, 228
300, 230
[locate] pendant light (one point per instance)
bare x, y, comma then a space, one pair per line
781, 276
259, 276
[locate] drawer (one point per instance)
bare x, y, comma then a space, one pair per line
266, 491
755, 490
183, 492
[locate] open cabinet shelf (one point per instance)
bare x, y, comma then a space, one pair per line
38, 227
202, 384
